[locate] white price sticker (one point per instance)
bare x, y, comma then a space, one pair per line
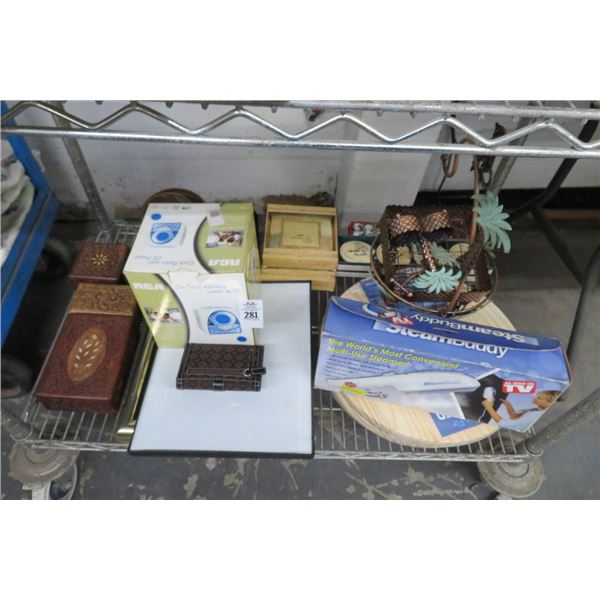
251, 312
215, 217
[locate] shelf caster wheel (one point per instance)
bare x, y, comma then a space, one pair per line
55, 260
16, 377
49, 474
513, 480
62, 488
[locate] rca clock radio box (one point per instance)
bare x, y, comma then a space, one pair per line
462, 373
191, 268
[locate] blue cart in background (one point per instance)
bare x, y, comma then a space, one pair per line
31, 248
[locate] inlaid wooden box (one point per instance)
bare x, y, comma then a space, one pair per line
99, 263
91, 355
300, 237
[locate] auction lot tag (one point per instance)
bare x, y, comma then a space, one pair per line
251, 312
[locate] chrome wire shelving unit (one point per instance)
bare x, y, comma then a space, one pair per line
336, 435
508, 464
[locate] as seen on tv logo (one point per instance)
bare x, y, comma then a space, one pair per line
518, 387
398, 320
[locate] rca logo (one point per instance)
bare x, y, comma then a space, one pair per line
519, 387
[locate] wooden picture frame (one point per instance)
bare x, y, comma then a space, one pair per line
291, 242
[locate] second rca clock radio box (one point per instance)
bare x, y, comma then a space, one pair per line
461, 373
191, 268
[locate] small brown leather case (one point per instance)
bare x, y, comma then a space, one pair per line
90, 359
221, 368
99, 263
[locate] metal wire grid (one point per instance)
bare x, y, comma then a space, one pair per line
72, 430
336, 435
542, 116
86, 431
79, 430
121, 234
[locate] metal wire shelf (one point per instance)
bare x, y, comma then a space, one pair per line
536, 116
336, 435
85, 431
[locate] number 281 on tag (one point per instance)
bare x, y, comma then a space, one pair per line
251, 312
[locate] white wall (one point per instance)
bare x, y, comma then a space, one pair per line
369, 181
126, 173
526, 172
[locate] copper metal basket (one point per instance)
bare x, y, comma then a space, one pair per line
478, 266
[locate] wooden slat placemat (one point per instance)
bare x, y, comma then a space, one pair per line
411, 426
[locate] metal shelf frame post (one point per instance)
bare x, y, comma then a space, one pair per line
536, 207
83, 171
589, 407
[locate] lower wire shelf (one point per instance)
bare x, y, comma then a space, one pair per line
336, 434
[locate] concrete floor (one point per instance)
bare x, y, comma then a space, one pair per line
536, 292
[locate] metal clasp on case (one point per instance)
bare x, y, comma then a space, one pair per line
255, 371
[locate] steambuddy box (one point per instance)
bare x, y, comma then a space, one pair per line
453, 369
190, 268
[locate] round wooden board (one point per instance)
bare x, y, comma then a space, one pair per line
410, 426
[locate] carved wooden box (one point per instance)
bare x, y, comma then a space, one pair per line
90, 359
223, 368
99, 263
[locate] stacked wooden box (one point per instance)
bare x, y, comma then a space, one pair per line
301, 244
89, 362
